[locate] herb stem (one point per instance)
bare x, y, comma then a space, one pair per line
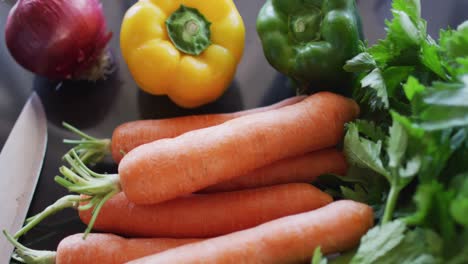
391, 203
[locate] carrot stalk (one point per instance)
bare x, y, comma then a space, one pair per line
98, 248
304, 168
82, 180
133, 134
30, 256
91, 149
68, 201
82, 203
96, 211
335, 228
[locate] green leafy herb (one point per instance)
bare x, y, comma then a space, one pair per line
459, 204
362, 152
395, 243
413, 136
431, 59
370, 130
365, 153
360, 63
374, 80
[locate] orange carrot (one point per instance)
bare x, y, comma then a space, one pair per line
335, 228
305, 168
206, 215
133, 134
99, 248
167, 168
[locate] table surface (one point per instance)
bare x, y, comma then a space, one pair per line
99, 107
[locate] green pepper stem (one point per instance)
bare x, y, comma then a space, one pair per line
90, 149
299, 26
69, 201
30, 256
80, 179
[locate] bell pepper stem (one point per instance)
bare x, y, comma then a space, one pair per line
189, 30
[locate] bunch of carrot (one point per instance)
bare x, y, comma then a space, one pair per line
238, 182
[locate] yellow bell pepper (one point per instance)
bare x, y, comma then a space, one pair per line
186, 49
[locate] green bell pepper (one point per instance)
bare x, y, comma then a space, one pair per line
310, 40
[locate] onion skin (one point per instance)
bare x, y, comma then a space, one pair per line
58, 39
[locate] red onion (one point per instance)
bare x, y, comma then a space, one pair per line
59, 39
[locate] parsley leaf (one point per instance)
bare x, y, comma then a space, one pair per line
449, 94
397, 144
374, 80
413, 87
410, 7
432, 202
378, 241
394, 77
361, 185
459, 205
395, 243
405, 32
431, 59
362, 62
370, 130
453, 45
363, 152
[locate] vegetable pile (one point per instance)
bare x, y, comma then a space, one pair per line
255, 188
236, 187
409, 148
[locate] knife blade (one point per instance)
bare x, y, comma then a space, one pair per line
20, 165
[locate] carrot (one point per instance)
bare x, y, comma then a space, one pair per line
169, 168
335, 228
305, 168
133, 134
206, 215
98, 248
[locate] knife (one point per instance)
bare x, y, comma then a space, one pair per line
20, 165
